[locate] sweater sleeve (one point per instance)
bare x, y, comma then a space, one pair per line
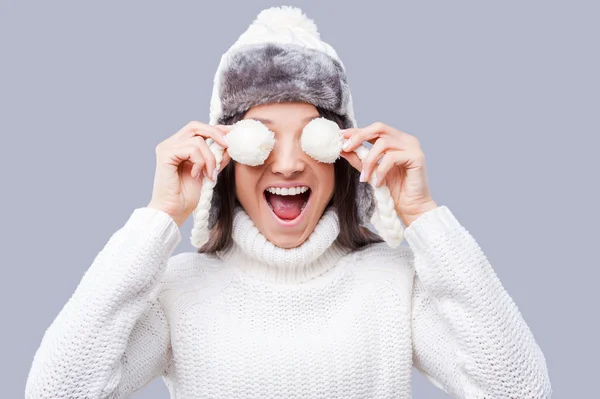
469, 338
111, 337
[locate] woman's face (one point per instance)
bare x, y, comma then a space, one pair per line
285, 220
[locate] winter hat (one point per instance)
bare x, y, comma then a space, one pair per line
280, 58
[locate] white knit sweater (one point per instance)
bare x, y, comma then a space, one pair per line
258, 321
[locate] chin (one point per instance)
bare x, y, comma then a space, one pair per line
292, 242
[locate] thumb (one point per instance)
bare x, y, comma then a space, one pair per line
224, 161
352, 159
224, 128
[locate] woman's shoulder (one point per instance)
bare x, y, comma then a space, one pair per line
384, 267
191, 267
381, 259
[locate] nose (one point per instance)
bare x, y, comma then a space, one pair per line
287, 157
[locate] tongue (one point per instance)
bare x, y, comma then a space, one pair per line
287, 206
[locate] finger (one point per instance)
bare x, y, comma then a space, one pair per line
210, 161
198, 166
186, 131
224, 161
370, 161
196, 128
182, 153
352, 159
225, 129
369, 133
212, 131
391, 159
374, 131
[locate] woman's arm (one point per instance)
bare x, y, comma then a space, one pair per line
469, 338
112, 336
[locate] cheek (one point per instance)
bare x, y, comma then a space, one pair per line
326, 177
246, 178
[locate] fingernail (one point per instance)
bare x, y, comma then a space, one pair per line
362, 176
346, 145
215, 172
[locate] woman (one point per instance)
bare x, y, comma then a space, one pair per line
290, 296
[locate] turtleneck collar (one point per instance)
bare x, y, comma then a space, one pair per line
254, 254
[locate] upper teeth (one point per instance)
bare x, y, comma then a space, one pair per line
287, 190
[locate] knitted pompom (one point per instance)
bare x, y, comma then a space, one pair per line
250, 142
321, 139
283, 17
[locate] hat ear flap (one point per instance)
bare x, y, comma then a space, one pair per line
365, 202
200, 230
215, 210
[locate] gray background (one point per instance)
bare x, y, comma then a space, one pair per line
503, 96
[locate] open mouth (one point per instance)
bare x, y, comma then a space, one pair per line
287, 204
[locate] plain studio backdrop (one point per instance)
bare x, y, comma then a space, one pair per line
503, 96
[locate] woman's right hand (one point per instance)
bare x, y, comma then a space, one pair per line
181, 162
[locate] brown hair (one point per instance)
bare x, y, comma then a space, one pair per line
352, 234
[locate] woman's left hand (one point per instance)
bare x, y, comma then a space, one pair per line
402, 167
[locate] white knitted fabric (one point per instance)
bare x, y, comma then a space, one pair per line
250, 324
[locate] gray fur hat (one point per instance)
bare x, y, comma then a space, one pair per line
281, 58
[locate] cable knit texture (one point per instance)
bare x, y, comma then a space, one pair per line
316, 321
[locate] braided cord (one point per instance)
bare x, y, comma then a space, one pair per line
384, 218
200, 232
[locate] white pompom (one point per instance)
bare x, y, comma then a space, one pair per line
250, 142
321, 139
282, 17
